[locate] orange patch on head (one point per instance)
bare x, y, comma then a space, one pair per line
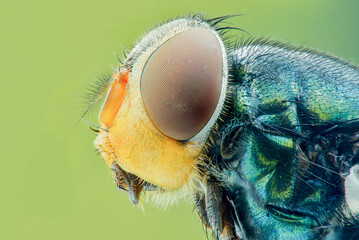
114, 98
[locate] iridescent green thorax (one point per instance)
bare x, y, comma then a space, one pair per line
285, 176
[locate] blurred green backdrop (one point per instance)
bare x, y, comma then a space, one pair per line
53, 186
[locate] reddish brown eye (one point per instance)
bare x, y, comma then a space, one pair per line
181, 83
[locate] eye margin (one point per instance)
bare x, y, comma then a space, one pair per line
181, 83
203, 132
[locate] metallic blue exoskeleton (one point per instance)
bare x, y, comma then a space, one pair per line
286, 144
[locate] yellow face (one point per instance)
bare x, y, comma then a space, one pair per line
133, 142
162, 104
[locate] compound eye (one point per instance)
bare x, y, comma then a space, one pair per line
181, 83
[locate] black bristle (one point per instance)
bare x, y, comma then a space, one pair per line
214, 21
231, 28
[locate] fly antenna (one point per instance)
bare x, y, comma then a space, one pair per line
94, 125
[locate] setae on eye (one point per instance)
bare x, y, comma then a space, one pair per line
181, 83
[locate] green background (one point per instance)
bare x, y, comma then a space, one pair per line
53, 186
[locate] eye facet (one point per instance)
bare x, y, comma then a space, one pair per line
181, 83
